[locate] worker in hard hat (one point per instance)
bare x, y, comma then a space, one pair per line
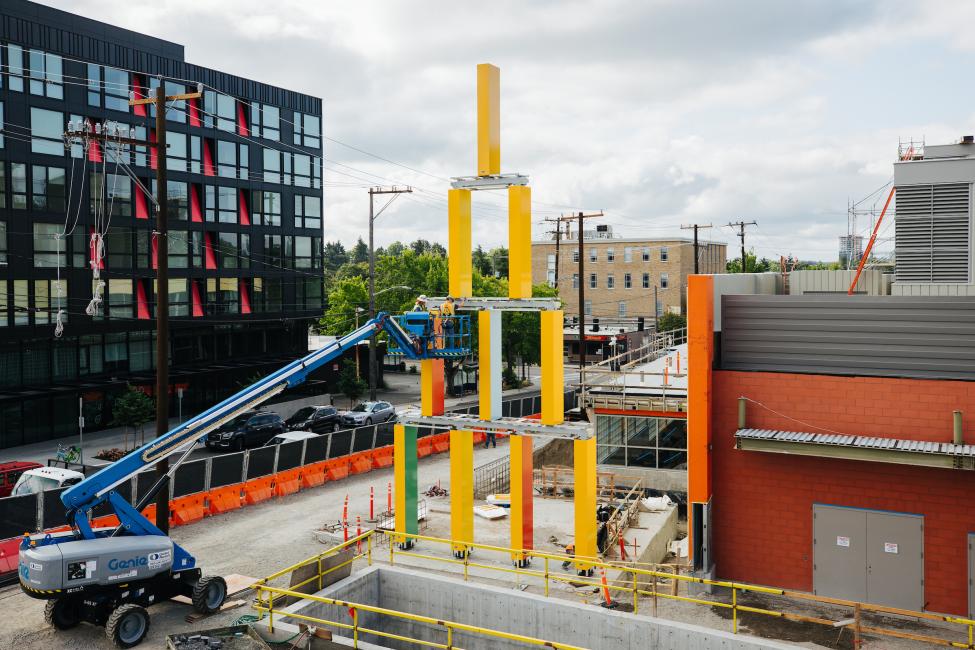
421, 303
447, 309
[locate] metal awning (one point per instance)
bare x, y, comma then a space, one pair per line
867, 448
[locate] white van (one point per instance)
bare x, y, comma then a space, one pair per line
40, 479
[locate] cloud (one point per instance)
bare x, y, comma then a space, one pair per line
660, 112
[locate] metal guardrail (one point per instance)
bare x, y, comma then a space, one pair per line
492, 478
636, 581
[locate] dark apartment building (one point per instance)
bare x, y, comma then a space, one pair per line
77, 224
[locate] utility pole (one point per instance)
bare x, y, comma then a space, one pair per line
740, 225
373, 191
697, 257
161, 233
558, 240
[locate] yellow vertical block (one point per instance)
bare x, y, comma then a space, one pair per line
488, 120
431, 387
461, 490
516, 489
489, 363
519, 241
459, 243
399, 477
584, 461
553, 376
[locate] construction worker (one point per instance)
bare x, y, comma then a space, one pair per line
447, 313
421, 303
570, 550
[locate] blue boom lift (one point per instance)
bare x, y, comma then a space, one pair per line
109, 577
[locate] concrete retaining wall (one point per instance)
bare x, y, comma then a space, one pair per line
563, 621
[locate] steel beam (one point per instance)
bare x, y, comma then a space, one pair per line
521, 426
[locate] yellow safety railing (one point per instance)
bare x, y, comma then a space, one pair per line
356, 543
641, 582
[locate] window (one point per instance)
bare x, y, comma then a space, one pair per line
308, 211
659, 307
179, 249
226, 113
610, 281
1, 125
47, 191
273, 253
49, 297
47, 131
231, 160
21, 303
592, 254
108, 86
663, 281
176, 152
646, 254
116, 352
303, 253
308, 130
266, 208
312, 294
628, 254
179, 297
575, 256
48, 250
118, 249
3, 185
18, 186
228, 296
4, 305
575, 280
265, 121
3, 242
227, 250
621, 309
15, 68
120, 299
592, 280
302, 170
641, 441
142, 350
113, 192
45, 75
646, 280
627, 281
266, 294
588, 309
610, 255
272, 166
664, 255
221, 204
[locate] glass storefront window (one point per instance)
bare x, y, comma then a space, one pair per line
642, 441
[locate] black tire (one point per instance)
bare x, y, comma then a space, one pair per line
127, 626
209, 593
238, 444
63, 613
368, 422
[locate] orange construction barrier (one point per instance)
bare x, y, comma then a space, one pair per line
361, 463
287, 482
186, 510
382, 457
337, 468
424, 447
224, 499
149, 512
313, 475
440, 442
9, 552
257, 490
108, 521
479, 437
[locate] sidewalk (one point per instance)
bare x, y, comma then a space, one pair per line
403, 390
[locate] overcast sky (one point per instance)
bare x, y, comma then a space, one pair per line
659, 112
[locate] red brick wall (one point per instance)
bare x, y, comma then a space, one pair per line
763, 501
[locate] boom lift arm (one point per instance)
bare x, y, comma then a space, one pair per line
101, 486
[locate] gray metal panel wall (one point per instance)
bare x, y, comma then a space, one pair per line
882, 336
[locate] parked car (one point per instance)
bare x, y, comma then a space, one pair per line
366, 413
249, 429
11, 472
290, 436
40, 479
320, 419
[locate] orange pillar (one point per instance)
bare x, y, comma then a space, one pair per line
700, 353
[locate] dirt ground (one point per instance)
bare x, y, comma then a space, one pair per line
259, 540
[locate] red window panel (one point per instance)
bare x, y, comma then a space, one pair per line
95, 151
208, 169
155, 251
193, 112
196, 212
245, 215
139, 92
245, 298
242, 128
153, 151
141, 302
141, 203
91, 251
195, 296
210, 261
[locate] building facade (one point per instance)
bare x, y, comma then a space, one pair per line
245, 223
625, 278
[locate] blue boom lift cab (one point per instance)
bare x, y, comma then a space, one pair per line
110, 577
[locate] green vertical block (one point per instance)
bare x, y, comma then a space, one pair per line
411, 488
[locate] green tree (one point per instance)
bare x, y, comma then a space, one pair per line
395, 249
132, 410
671, 321
499, 261
521, 333
360, 252
351, 384
334, 255
753, 264
480, 261
345, 296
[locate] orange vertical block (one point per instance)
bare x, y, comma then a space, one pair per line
700, 355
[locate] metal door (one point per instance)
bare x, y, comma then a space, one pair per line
895, 559
839, 552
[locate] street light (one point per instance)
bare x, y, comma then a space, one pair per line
372, 339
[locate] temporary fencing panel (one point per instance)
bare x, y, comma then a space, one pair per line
260, 462
103, 509
363, 439
341, 443
54, 513
384, 436
190, 478
18, 515
289, 455
315, 449
144, 482
226, 469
